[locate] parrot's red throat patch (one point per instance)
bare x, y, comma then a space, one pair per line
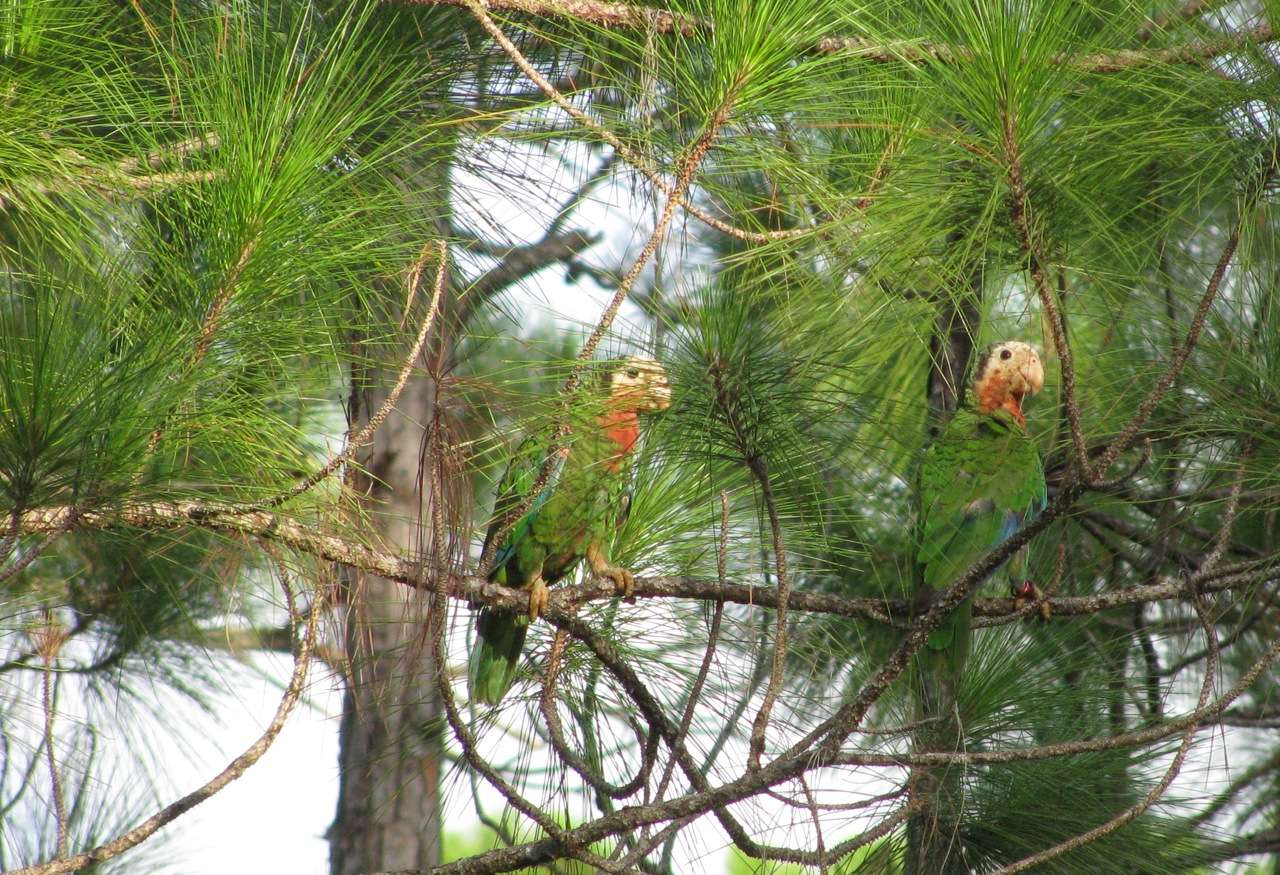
994, 393
623, 428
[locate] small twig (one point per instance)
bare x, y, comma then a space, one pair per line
49, 641
821, 843
759, 725
1130, 432
1223, 541
158, 157
1120, 480
208, 328
70, 517
555, 731
213, 318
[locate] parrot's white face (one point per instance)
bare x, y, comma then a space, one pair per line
1015, 364
640, 384
1008, 372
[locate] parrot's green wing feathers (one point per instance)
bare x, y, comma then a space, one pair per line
516, 482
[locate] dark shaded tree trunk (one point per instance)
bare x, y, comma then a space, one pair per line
934, 845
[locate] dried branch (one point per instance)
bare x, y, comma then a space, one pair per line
50, 639
555, 730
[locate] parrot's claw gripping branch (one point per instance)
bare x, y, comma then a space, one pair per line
1027, 593
623, 579
539, 598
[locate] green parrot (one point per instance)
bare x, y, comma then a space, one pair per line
571, 517
978, 484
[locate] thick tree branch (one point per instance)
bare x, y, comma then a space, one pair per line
519, 262
307, 540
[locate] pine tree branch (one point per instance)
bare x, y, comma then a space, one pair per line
640, 17
122, 178
519, 262
157, 516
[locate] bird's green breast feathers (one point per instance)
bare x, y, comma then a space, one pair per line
978, 483
575, 508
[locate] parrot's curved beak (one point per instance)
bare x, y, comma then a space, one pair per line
1032, 373
659, 395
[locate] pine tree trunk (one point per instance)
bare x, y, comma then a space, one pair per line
934, 845
388, 813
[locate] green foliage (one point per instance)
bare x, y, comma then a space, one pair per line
208, 214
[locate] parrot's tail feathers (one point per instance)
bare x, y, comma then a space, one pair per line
499, 642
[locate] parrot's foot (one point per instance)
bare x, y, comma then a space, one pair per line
1026, 593
539, 598
621, 577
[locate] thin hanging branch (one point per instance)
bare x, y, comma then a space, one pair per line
233, 770
559, 448
362, 437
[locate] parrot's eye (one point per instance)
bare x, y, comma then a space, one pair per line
1005, 355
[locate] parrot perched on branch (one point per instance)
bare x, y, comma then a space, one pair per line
978, 484
571, 517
